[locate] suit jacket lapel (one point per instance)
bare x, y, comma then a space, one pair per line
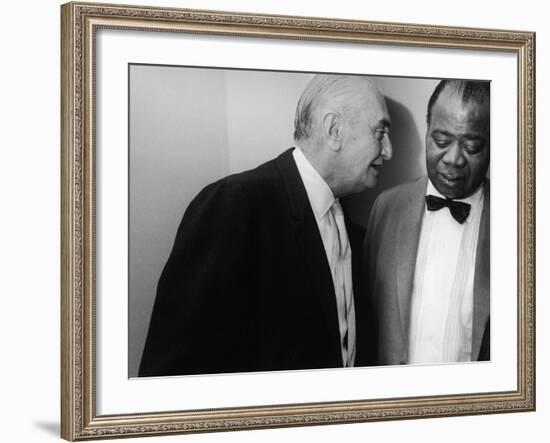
408, 236
482, 277
310, 245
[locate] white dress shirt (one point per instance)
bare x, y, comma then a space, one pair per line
442, 297
330, 221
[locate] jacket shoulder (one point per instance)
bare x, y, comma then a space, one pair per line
252, 178
401, 194
240, 183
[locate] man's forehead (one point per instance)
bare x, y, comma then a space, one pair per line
384, 117
374, 104
374, 116
452, 107
454, 97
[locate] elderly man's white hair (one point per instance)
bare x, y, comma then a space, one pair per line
341, 92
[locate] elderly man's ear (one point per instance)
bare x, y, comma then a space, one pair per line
332, 130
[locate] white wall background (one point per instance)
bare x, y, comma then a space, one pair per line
29, 222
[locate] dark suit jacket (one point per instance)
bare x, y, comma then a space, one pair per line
390, 249
247, 286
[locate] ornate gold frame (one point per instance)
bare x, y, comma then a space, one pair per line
79, 420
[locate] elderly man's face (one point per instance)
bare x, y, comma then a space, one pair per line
366, 145
457, 145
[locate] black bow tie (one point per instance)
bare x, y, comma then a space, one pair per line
459, 210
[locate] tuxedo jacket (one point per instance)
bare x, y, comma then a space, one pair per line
248, 286
391, 246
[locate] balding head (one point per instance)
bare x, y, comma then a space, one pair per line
337, 93
341, 124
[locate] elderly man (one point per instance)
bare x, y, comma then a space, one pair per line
427, 242
261, 275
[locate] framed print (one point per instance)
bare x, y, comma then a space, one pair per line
282, 221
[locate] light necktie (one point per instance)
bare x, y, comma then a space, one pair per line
343, 286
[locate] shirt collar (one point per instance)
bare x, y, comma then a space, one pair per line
318, 191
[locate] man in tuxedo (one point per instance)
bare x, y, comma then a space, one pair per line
261, 276
427, 247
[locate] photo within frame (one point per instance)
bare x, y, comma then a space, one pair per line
292, 221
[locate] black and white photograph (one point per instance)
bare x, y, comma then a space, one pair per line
283, 221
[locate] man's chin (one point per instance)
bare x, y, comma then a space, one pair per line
372, 177
449, 186
366, 185
450, 190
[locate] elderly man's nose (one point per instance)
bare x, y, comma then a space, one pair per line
387, 148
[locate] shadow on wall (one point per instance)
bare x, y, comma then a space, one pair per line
407, 162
